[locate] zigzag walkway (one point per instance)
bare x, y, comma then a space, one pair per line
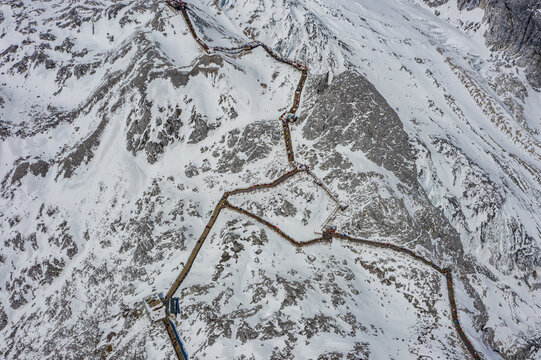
183, 8
276, 229
445, 272
327, 235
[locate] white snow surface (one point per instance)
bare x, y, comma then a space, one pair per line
133, 224
298, 206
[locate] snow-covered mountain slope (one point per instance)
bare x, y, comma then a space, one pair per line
268, 300
119, 136
299, 207
445, 88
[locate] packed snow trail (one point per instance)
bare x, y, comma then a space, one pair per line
327, 234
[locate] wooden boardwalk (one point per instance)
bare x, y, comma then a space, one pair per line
327, 236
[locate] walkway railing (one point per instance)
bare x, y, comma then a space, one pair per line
327, 236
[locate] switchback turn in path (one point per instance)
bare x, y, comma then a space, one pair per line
327, 236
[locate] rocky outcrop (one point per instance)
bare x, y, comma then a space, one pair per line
40, 167
83, 152
255, 142
3, 318
350, 112
514, 26
132, 230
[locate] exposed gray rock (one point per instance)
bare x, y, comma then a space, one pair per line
435, 2
255, 142
467, 4
200, 129
245, 333
5, 55
17, 289
83, 152
285, 209
3, 318
20, 171
514, 26
191, 170
351, 112
52, 270
39, 168
47, 37
66, 46
19, 242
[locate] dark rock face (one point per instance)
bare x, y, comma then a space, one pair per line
361, 120
84, 152
200, 129
466, 4
254, 143
435, 3
20, 172
41, 273
3, 318
514, 26
351, 115
40, 167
